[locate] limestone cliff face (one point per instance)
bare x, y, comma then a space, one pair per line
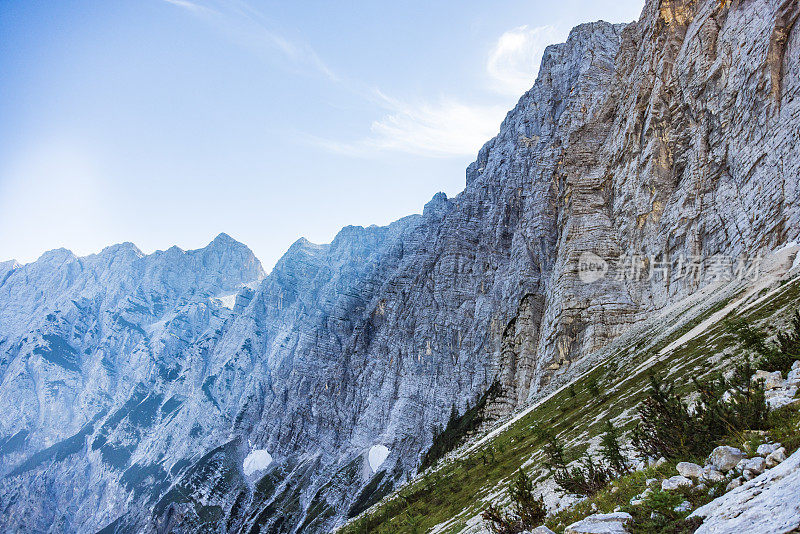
673, 135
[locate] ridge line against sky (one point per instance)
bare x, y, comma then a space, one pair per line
166, 122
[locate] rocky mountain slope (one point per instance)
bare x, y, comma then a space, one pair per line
138, 387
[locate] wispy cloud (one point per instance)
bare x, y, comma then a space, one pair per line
443, 128
450, 126
514, 60
447, 126
252, 29
190, 6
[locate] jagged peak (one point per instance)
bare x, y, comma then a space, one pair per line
305, 244
438, 202
224, 239
57, 255
125, 247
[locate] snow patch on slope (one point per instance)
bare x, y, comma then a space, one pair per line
227, 301
257, 460
377, 455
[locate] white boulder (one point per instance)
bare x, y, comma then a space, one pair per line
675, 482
776, 457
539, 530
765, 449
754, 465
613, 523
778, 398
793, 378
771, 380
733, 484
689, 470
712, 475
725, 458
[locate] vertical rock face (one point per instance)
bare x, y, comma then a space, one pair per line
136, 386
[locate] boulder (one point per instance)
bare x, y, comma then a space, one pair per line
613, 523
774, 381
713, 476
733, 484
539, 530
771, 380
725, 458
689, 470
776, 457
675, 482
793, 378
756, 465
778, 398
766, 449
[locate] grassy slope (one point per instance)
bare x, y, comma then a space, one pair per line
462, 486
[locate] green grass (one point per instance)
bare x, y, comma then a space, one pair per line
459, 488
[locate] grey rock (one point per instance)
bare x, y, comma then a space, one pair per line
793, 378
778, 398
713, 476
724, 458
772, 380
613, 523
765, 449
675, 482
689, 470
735, 483
754, 465
768, 503
540, 530
775, 457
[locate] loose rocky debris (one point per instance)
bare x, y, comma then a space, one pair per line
768, 503
780, 392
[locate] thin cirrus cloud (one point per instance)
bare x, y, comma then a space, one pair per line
441, 129
514, 60
448, 126
250, 28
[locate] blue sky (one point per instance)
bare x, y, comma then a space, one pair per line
168, 121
